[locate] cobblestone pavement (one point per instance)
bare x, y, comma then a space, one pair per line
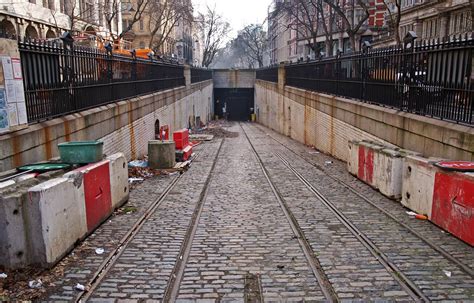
242, 233
419, 262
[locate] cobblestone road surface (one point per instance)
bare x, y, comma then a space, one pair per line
243, 234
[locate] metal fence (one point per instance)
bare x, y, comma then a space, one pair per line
432, 78
268, 74
61, 78
200, 74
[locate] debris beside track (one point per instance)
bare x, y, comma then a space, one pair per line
217, 129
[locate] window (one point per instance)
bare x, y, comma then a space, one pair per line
141, 44
141, 25
48, 4
431, 28
460, 23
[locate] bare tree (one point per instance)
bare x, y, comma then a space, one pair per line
394, 13
304, 19
349, 23
112, 8
164, 15
253, 38
215, 30
328, 20
75, 12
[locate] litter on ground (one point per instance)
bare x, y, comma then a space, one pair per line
35, 284
80, 287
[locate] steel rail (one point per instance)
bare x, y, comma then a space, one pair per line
172, 289
316, 267
108, 263
467, 269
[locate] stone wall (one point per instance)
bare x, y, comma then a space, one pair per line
329, 122
124, 126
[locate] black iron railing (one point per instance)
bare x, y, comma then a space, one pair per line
431, 78
200, 74
268, 74
61, 78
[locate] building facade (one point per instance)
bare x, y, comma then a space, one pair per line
430, 19
47, 19
166, 26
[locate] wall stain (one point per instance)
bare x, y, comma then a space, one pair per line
47, 143
67, 131
133, 147
17, 161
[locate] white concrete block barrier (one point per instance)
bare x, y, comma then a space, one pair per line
453, 204
353, 157
388, 168
119, 187
418, 184
14, 236
57, 217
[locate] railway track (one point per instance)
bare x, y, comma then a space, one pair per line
109, 262
412, 290
406, 282
316, 267
172, 289
464, 267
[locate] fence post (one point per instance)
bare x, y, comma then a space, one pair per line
68, 46
281, 76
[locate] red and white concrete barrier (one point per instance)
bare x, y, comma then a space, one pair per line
58, 217
453, 204
367, 152
97, 195
377, 165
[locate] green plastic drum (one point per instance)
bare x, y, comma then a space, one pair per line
81, 152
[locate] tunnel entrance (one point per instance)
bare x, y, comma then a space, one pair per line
239, 103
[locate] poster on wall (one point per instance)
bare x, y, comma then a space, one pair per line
3, 99
16, 66
7, 68
12, 115
19, 91
10, 89
3, 120
21, 109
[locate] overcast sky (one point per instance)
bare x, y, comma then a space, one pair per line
239, 13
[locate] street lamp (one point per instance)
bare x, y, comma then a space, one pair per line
67, 39
366, 46
409, 39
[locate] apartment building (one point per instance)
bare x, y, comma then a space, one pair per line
432, 19
288, 42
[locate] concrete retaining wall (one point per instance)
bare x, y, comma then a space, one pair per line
234, 78
329, 123
124, 126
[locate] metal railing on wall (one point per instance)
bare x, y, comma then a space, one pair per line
431, 78
62, 78
200, 74
268, 74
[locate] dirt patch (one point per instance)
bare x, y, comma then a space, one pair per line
218, 129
